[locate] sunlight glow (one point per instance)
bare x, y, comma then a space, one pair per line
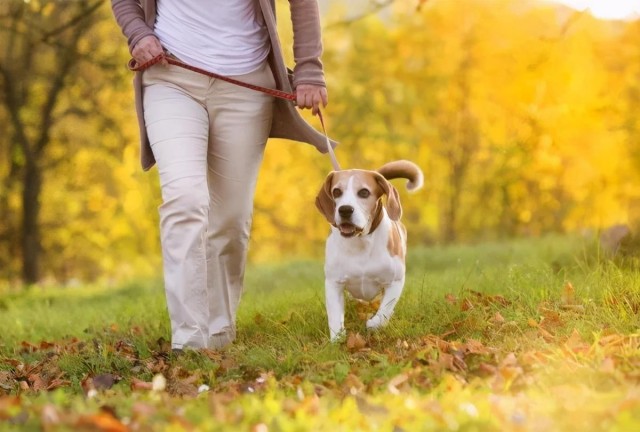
607, 9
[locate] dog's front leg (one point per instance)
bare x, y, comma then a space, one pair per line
387, 304
334, 300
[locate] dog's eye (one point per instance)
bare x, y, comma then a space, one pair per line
337, 193
364, 193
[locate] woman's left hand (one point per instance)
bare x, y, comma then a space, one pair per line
311, 96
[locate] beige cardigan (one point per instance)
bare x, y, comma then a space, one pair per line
137, 18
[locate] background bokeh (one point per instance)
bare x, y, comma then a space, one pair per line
523, 115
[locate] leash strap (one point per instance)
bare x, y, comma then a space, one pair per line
133, 66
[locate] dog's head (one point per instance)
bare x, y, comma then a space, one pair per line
351, 200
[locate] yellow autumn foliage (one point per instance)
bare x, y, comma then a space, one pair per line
522, 114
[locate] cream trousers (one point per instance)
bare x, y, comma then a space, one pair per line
208, 139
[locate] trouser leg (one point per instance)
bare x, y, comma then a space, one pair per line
240, 121
178, 128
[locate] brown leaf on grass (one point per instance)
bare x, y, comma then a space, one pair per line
510, 373
465, 305
548, 337
534, 358
568, 296
28, 347
368, 409
260, 427
453, 362
487, 368
473, 346
310, 405
575, 343
487, 299
612, 340
608, 365
228, 363
451, 299
6, 381
439, 343
141, 411
127, 350
156, 365
9, 406
355, 342
497, 318
49, 417
103, 422
352, 384
573, 308
37, 382
550, 318
507, 372
87, 385
218, 405
164, 346
182, 385
44, 345
138, 385
396, 382
23, 370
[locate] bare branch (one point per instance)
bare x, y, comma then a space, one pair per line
376, 6
72, 22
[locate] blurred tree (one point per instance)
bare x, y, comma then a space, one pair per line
521, 113
72, 187
41, 51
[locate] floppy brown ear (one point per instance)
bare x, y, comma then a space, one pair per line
394, 209
324, 200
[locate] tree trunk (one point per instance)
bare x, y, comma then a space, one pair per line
30, 227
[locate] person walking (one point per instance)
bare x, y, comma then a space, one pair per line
208, 136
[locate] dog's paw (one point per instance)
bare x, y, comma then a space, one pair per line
376, 321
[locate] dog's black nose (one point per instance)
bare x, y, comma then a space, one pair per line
345, 211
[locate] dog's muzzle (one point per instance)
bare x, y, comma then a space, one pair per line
346, 227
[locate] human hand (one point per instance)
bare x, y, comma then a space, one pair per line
311, 96
146, 49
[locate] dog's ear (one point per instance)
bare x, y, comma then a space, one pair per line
394, 209
324, 200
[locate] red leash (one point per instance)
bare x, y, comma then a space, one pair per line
272, 92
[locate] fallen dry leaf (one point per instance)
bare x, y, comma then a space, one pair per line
137, 384
451, 299
9, 406
102, 421
395, 382
49, 416
497, 318
568, 295
355, 342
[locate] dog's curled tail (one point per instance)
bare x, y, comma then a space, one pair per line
403, 169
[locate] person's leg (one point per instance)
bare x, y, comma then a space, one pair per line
178, 128
240, 121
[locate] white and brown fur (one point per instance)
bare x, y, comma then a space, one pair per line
365, 252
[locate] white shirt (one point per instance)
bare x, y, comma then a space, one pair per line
228, 37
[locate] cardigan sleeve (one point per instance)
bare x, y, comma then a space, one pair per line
130, 17
307, 43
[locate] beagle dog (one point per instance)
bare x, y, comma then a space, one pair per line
365, 252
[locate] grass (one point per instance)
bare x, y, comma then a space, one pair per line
518, 335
